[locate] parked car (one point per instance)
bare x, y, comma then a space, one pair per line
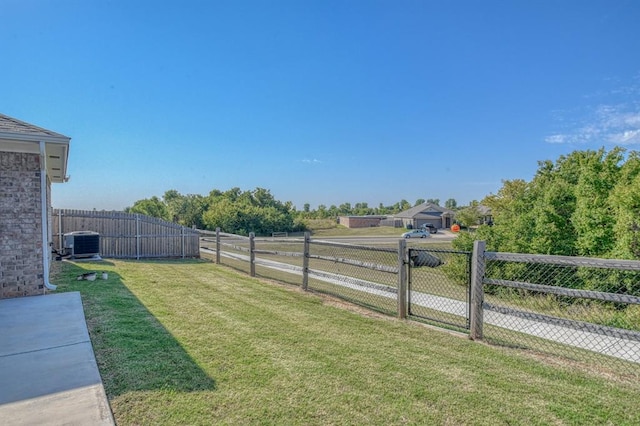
430, 227
416, 233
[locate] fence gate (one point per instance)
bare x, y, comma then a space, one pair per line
439, 283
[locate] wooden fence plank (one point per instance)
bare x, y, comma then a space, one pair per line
128, 236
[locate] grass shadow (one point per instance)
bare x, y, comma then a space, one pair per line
134, 351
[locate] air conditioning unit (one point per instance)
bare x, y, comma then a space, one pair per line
82, 244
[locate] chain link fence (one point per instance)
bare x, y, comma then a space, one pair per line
585, 310
228, 249
580, 308
439, 286
280, 259
367, 276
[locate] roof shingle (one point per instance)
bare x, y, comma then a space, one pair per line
11, 125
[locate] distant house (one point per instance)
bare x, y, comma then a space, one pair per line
360, 221
424, 213
31, 159
486, 217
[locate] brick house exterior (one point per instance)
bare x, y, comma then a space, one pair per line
360, 221
426, 213
31, 158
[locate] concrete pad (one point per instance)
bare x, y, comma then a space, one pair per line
48, 371
40, 322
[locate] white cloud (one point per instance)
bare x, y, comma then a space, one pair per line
314, 161
606, 122
629, 137
556, 139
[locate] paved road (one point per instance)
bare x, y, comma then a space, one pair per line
628, 350
441, 237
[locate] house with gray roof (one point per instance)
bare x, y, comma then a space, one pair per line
426, 213
486, 217
31, 159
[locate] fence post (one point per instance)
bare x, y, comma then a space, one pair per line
182, 237
477, 291
60, 248
252, 253
305, 261
402, 279
137, 236
218, 246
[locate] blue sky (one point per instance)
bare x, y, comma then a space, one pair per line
319, 101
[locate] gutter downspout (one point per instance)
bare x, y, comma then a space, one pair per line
44, 215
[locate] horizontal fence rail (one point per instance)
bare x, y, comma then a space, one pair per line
553, 304
561, 291
126, 235
592, 262
361, 274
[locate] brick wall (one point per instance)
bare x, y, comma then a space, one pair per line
360, 221
21, 268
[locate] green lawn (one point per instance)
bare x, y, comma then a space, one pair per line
330, 228
191, 342
341, 231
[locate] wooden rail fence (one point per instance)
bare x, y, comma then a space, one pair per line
127, 235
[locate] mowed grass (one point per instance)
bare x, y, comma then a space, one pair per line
330, 228
191, 342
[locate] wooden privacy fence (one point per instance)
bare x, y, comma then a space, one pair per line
127, 235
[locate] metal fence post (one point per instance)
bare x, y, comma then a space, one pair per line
252, 253
402, 279
218, 246
305, 261
477, 291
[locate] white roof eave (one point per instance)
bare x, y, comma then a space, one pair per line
56, 150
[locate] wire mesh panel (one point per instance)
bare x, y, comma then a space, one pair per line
235, 252
280, 259
439, 286
364, 275
581, 308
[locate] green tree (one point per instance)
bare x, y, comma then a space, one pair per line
469, 216
322, 212
345, 209
362, 209
625, 201
451, 204
583, 204
153, 207
592, 217
187, 210
511, 210
403, 205
553, 195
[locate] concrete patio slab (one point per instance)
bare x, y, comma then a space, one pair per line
48, 371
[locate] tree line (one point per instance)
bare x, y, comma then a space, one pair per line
233, 211
584, 204
363, 209
241, 212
